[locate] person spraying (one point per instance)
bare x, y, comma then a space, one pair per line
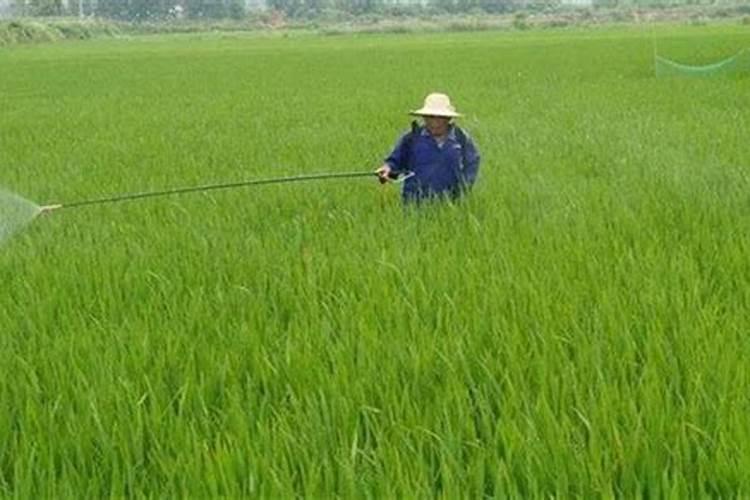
436, 159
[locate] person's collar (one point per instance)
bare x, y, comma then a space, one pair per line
450, 135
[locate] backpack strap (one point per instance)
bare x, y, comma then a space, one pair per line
461, 136
462, 140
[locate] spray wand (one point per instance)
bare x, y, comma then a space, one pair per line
211, 187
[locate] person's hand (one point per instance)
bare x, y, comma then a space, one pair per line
384, 173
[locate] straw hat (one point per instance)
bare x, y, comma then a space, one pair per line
437, 105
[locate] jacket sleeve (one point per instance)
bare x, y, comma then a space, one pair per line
471, 162
398, 160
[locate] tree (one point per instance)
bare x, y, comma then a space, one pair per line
111, 8
46, 7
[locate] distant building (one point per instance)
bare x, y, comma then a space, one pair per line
577, 3
255, 5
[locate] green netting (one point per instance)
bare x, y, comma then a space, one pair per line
735, 65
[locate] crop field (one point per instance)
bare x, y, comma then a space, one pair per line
575, 327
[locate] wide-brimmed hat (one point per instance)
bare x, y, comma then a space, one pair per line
437, 104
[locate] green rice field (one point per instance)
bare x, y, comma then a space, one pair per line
574, 328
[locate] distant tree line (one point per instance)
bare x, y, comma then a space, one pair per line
133, 9
152, 10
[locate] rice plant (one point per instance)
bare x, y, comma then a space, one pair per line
576, 327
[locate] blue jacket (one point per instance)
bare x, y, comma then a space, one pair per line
438, 171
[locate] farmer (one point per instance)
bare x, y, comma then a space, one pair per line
436, 159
